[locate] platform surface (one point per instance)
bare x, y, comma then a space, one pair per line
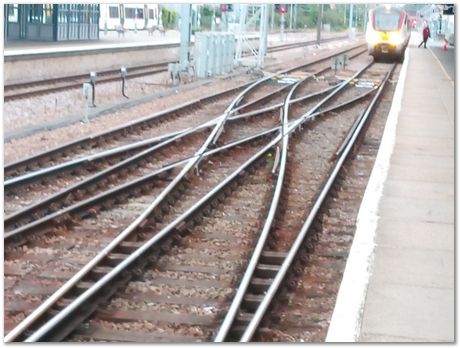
399, 281
411, 296
112, 41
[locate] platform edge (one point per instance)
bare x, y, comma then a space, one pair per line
346, 318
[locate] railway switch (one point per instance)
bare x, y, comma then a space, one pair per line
86, 88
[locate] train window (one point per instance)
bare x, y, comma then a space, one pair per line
91, 14
129, 12
387, 21
85, 14
114, 12
13, 13
70, 14
96, 13
62, 14
92, 11
75, 14
151, 14
140, 13
35, 13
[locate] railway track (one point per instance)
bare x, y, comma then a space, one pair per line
177, 183
129, 132
262, 164
318, 267
31, 89
42, 199
295, 205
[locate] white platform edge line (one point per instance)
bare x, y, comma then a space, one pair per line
346, 318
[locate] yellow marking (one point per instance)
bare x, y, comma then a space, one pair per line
442, 67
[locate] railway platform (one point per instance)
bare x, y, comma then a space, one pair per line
26, 61
398, 285
112, 41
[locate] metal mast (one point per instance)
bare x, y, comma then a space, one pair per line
263, 35
185, 31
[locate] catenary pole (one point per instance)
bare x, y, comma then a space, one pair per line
263, 35
184, 36
319, 25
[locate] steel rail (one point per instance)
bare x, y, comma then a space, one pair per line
103, 173
125, 126
83, 76
125, 263
294, 100
96, 176
272, 290
246, 279
87, 159
205, 124
23, 325
106, 78
169, 166
107, 73
154, 140
158, 115
57, 195
68, 164
258, 100
73, 85
238, 298
33, 224
218, 128
138, 181
305, 43
65, 165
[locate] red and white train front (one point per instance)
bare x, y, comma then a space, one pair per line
387, 32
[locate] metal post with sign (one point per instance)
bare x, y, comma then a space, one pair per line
92, 79
282, 27
123, 73
86, 89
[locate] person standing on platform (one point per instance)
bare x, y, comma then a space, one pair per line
426, 35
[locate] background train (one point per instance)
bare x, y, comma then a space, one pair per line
129, 16
388, 32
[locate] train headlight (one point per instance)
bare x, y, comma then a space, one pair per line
396, 38
373, 38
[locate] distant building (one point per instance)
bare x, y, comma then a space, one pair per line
51, 22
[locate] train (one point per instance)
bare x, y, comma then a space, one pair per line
129, 16
388, 32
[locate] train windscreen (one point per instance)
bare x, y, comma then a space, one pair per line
386, 21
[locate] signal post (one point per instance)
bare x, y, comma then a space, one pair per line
282, 9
